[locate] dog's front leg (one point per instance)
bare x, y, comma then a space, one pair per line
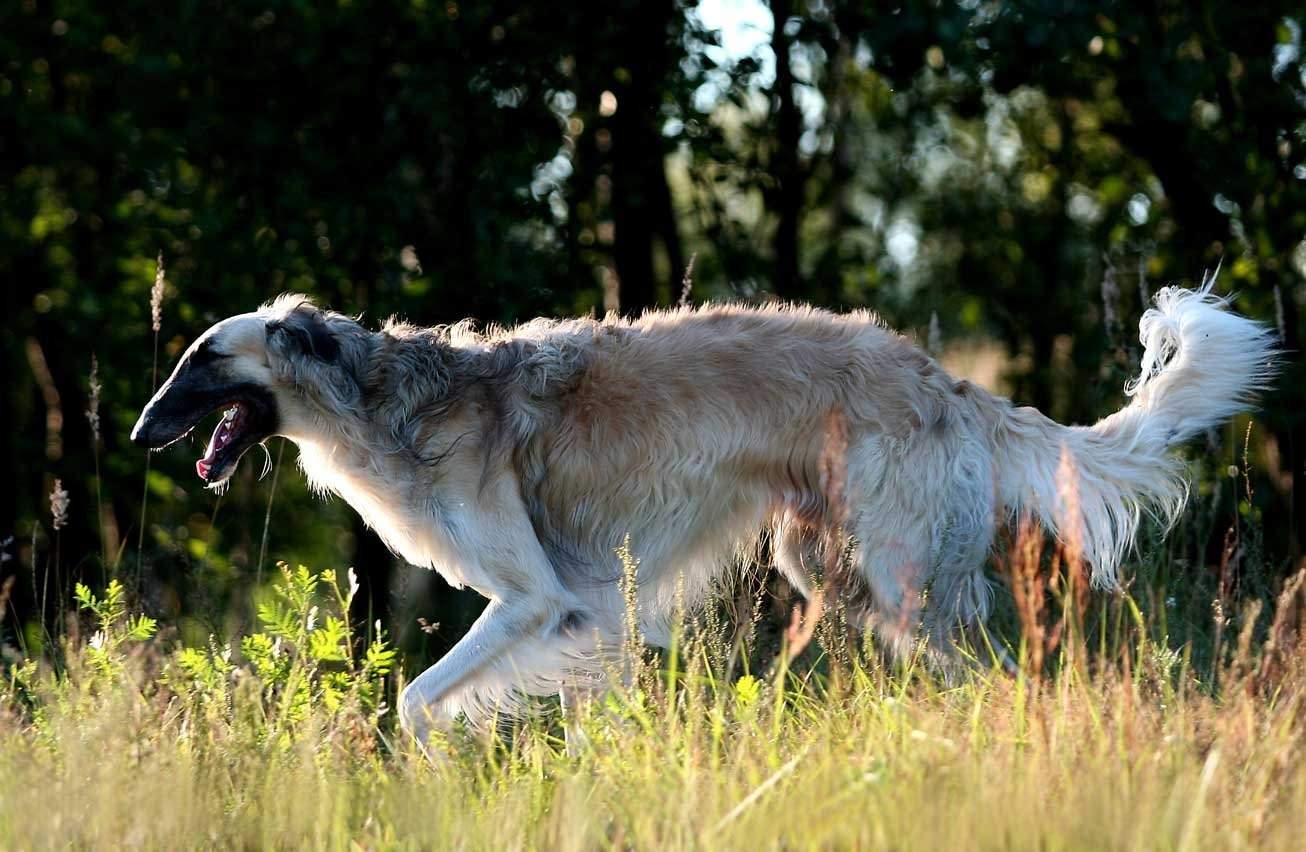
471, 673
574, 699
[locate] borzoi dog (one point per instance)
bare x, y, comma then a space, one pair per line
517, 461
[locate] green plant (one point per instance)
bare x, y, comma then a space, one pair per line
115, 629
302, 666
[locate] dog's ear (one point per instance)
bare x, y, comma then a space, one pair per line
304, 330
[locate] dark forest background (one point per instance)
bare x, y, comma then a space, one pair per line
1007, 180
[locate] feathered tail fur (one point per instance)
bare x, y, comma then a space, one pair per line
1201, 365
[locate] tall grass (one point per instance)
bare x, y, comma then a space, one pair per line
1105, 738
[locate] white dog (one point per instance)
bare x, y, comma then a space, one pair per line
517, 462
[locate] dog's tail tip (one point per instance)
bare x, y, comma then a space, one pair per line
1202, 363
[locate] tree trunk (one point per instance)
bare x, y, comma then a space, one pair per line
787, 195
641, 198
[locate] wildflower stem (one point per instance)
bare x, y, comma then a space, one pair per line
145, 490
156, 324
93, 418
267, 517
99, 511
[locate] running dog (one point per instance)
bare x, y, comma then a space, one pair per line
518, 461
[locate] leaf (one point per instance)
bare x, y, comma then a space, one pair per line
141, 627
83, 594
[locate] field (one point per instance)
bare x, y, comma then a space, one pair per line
1114, 735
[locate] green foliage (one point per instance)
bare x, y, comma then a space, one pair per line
202, 673
114, 629
303, 658
748, 696
111, 614
306, 674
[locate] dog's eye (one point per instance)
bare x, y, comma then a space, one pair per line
205, 356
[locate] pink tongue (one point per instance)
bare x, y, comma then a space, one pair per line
217, 442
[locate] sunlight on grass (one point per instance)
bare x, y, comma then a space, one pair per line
294, 746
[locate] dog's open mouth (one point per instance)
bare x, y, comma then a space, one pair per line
247, 419
197, 391
225, 445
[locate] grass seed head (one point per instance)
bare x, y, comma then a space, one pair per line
156, 296
93, 410
58, 505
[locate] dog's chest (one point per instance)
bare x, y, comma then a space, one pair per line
407, 519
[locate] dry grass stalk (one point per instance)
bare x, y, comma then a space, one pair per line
1243, 664
93, 408
1029, 589
156, 324
156, 296
1110, 300
1065, 575
802, 622
833, 472
58, 505
1068, 566
632, 645
687, 282
1285, 644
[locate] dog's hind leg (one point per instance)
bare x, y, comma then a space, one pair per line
893, 556
921, 545
960, 596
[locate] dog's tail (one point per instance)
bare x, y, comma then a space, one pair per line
1201, 365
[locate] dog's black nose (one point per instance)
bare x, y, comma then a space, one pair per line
141, 433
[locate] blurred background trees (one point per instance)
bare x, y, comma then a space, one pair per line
1010, 180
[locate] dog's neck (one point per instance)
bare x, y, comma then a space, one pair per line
393, 464
403, 509
412, 450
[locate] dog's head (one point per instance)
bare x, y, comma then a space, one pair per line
262, 370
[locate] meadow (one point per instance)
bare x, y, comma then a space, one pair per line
1164, 716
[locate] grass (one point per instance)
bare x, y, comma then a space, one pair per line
285, 741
